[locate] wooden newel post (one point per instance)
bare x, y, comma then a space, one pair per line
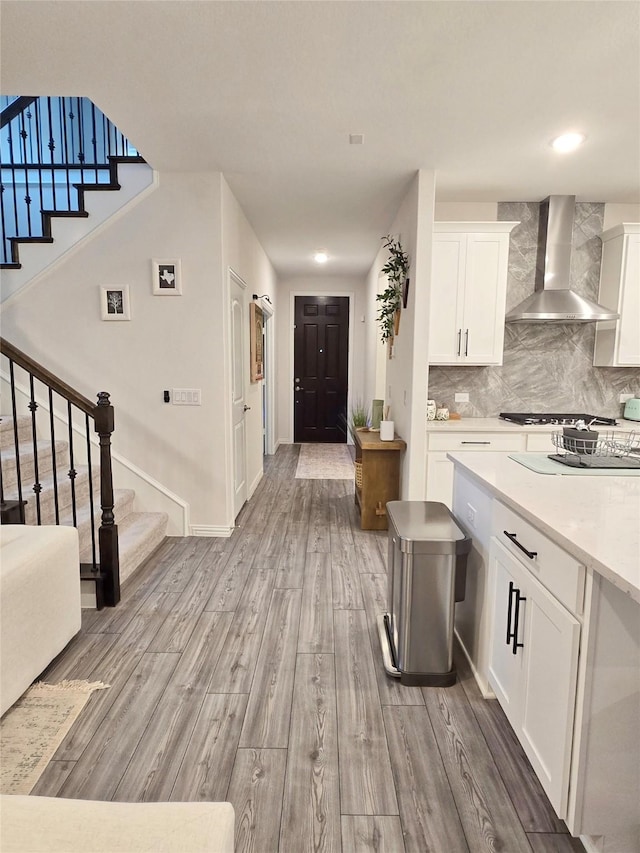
108, 532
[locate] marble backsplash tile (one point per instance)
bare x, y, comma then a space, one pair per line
546, 367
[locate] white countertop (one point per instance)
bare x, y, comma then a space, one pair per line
596, 519
498, 425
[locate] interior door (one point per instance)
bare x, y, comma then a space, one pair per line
238, 356
321, 367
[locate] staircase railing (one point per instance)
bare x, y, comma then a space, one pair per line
49, 149
75, 415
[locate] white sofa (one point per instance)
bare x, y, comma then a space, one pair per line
39, 602
49, 825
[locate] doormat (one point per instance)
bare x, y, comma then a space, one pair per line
33, 728
324, 462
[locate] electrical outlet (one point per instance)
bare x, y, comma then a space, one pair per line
624, 397
462, 397
471, 515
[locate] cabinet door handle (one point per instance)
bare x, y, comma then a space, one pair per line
510, 635
512, 537
516, 619
459, 340
475, 442
466, 342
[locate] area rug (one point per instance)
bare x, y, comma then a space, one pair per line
32, 730
324, 462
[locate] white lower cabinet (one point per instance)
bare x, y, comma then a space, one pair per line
533, 668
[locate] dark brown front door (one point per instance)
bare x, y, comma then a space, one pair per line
321, 358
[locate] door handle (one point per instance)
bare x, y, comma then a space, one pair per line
459, 339
246, 408
298, 388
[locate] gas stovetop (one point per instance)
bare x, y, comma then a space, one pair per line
563, 419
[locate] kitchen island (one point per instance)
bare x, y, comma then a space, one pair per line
551, 626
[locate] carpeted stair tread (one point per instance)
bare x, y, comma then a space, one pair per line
122, 507
7, 438
27, 461
47, 495
138, 536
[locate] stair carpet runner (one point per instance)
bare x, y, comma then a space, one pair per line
139, 533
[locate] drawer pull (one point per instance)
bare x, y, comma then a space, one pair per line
516, 619
459, 339
475, 442
512, 537
509, 612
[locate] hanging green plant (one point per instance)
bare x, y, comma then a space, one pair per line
396, 269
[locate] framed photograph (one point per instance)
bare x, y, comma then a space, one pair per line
167, 280
114, 302
256, 320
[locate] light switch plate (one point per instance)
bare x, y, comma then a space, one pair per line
462, 397
186, 396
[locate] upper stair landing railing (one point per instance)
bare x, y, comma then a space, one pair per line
51, 150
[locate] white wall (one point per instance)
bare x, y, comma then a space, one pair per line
615, 214
318, 285
406, 372
169, 342
464, 211
242, 253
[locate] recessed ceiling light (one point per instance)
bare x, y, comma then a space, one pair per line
356, 139
568, 142
321, 257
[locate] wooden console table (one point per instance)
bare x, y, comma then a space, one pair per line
379, 477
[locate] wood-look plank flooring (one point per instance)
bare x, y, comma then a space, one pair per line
248, 669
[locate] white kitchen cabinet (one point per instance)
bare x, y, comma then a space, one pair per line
533, 668
440, 469
618, 341
468, 292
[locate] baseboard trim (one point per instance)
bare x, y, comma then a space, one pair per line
487, 692
255, 484
210, 530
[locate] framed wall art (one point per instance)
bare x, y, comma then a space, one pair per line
166, 278
114, 302
256, 320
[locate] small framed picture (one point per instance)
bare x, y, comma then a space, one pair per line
167, 280
114, 302
256, 319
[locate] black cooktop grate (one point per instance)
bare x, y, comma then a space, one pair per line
562, 418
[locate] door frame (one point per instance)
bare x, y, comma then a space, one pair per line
233, 276
269, 374
350, 294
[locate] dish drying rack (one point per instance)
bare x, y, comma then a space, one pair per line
598, 450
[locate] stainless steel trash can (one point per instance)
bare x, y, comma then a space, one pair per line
427, 574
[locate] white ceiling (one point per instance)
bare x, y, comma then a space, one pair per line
268, 92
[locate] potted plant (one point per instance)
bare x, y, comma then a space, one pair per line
358, 417
390, 299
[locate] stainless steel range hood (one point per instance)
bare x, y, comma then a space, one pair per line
553, 300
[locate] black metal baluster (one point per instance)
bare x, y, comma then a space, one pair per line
16, 439
53, 457
72, 471
52, 148
66, 152
105, 141
13, 181
5, 244
37, 488
27, 197
91, 508
39, 153
94, 140
81, 155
